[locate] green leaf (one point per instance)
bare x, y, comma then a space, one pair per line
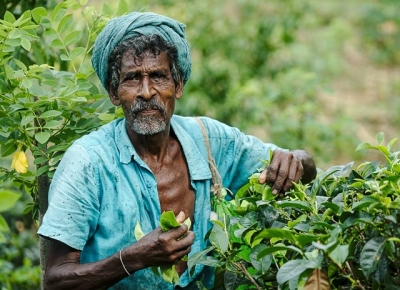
270, 250
168, 221
276, 233
339, 254
64, 57
107, 10
73, 37
302, 205
26, 83
77, 51
3, 225
260, 264
123, 7
40, 160
38, 13
42, 137
45, 22
293, 269
8, 149
52, 124
41, 170
364, 145
371, 254
65, 23
27, 119
9, 17
57, 43
8, 198
20, 64
193, 259
380, 137
169, 274
50, 114
219, 238
138, 231
58, 12
26, 44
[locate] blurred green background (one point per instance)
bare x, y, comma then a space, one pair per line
318, 75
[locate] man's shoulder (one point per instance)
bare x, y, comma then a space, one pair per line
189, 122
103, 135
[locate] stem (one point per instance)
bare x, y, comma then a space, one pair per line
242, 268
356, 280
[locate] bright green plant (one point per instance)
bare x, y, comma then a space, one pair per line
339, 232
8, 199
44, 107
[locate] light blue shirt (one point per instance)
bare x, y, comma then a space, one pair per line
102, 188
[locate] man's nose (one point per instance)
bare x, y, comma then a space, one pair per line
147, 90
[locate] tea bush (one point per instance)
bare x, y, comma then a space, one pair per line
339, 232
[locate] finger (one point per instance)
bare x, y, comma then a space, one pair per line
263, 176
272, 169
282, 173
179, 233
180, 217
293, 175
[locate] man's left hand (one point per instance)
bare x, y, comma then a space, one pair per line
287, 167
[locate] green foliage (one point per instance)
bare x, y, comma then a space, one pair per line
44, 109
342, 230
380, 30
8, 199
19, 253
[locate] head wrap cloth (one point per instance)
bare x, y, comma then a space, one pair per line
136, 24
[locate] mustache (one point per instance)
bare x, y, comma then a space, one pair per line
152, 104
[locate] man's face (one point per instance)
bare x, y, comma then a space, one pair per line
147, 92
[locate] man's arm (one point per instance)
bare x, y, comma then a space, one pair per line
64, 270
287, 167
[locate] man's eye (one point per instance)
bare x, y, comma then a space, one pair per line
158, 76
132, 77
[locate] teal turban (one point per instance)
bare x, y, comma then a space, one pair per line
136, 24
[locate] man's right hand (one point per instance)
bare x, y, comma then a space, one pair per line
159, 248
64, 270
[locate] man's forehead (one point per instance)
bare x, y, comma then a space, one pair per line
159, 58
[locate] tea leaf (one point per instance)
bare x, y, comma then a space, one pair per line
138, 231
168, 221
371, 254
260, 264
293, 269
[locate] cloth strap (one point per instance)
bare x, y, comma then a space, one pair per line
216, 189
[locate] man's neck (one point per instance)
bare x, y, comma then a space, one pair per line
152, 147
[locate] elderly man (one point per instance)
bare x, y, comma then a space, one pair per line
133, 169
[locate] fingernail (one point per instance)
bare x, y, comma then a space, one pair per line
275, 191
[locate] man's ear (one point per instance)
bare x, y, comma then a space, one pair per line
113, 95
179, 90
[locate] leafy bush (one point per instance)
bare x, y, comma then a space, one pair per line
341, 231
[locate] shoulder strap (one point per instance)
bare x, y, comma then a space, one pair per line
216, 177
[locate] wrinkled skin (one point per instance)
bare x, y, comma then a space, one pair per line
286, 168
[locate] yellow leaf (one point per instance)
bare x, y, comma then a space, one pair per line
317, 281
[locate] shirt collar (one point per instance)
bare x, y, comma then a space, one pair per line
198, 166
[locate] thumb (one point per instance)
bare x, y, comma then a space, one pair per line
180, 217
